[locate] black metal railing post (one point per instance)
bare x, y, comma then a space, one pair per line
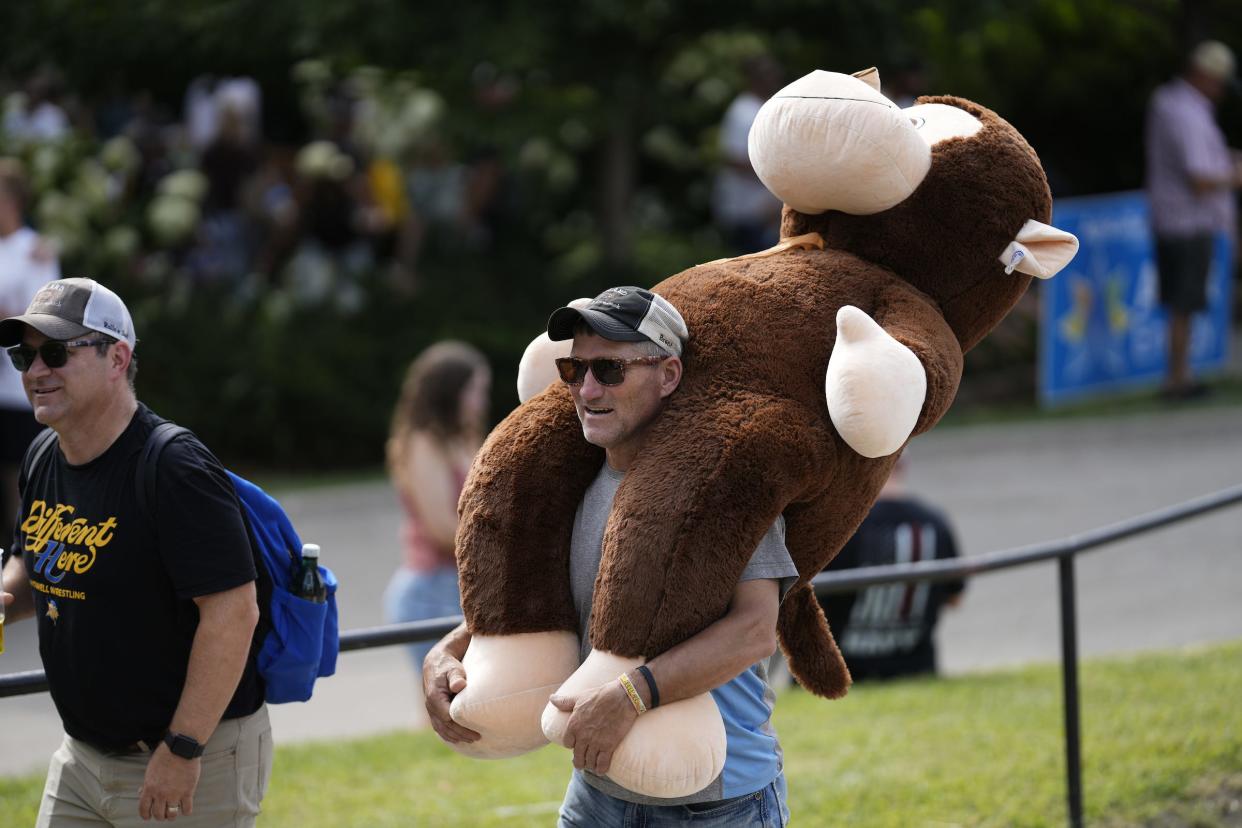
1069, 679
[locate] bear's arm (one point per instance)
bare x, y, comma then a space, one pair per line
516, 516
913, 320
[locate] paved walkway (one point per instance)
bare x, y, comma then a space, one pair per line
1003, 486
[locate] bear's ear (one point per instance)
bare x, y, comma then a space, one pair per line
1039, 250
870, 76
537, 368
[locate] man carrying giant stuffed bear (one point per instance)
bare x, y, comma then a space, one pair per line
907, 235
624, 365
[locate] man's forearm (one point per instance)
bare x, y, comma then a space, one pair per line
701, 663
720, 652
217, 659
17, 583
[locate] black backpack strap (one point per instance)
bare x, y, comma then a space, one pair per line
36, 451
39, 448
148, 473
148, 465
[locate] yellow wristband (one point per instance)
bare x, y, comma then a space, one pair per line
632, 692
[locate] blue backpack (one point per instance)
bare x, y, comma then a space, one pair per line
300, 639
297, 641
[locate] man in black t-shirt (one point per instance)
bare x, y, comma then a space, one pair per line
146, 615
887, 630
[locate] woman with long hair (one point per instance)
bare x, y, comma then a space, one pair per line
437, 426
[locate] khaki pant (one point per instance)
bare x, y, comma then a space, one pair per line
88, 787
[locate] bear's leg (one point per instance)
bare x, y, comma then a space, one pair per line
815, 532
813, 656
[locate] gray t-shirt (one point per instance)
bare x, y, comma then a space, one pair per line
770, 560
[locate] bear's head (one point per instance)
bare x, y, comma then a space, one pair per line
945, 193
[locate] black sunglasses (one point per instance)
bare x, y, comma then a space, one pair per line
55, 353
607, 370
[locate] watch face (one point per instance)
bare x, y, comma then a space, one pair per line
183, 746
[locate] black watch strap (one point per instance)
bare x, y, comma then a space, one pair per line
182, 745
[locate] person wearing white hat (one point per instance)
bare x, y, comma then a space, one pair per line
146, 612
1190, 182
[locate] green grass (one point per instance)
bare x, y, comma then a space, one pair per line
1162, 736
988, 749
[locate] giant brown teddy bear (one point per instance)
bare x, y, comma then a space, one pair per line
907, 236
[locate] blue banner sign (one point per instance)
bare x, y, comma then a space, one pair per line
1102, 329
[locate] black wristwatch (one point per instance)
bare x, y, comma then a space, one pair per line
182, 745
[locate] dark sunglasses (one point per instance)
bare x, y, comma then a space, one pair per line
607, 370
55, 354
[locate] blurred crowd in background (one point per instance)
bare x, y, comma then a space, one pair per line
127, 184
296, 200
203, 208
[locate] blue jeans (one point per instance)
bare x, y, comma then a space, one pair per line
585, 807
416, 596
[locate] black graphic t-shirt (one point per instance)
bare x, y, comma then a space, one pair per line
887, 630
113, 593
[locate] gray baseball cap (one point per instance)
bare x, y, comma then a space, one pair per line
70, 309
625, 314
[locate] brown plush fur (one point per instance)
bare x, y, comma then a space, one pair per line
747, 436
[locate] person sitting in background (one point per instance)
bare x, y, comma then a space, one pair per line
437, 426
887, 630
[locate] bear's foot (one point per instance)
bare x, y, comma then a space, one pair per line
508, 681
675, 750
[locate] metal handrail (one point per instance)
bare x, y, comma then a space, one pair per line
827, 583
953, 568
34, 681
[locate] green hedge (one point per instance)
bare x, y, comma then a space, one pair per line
275, 383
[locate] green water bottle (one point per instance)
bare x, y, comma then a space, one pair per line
307, 582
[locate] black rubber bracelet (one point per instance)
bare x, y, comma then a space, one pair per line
655, 691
